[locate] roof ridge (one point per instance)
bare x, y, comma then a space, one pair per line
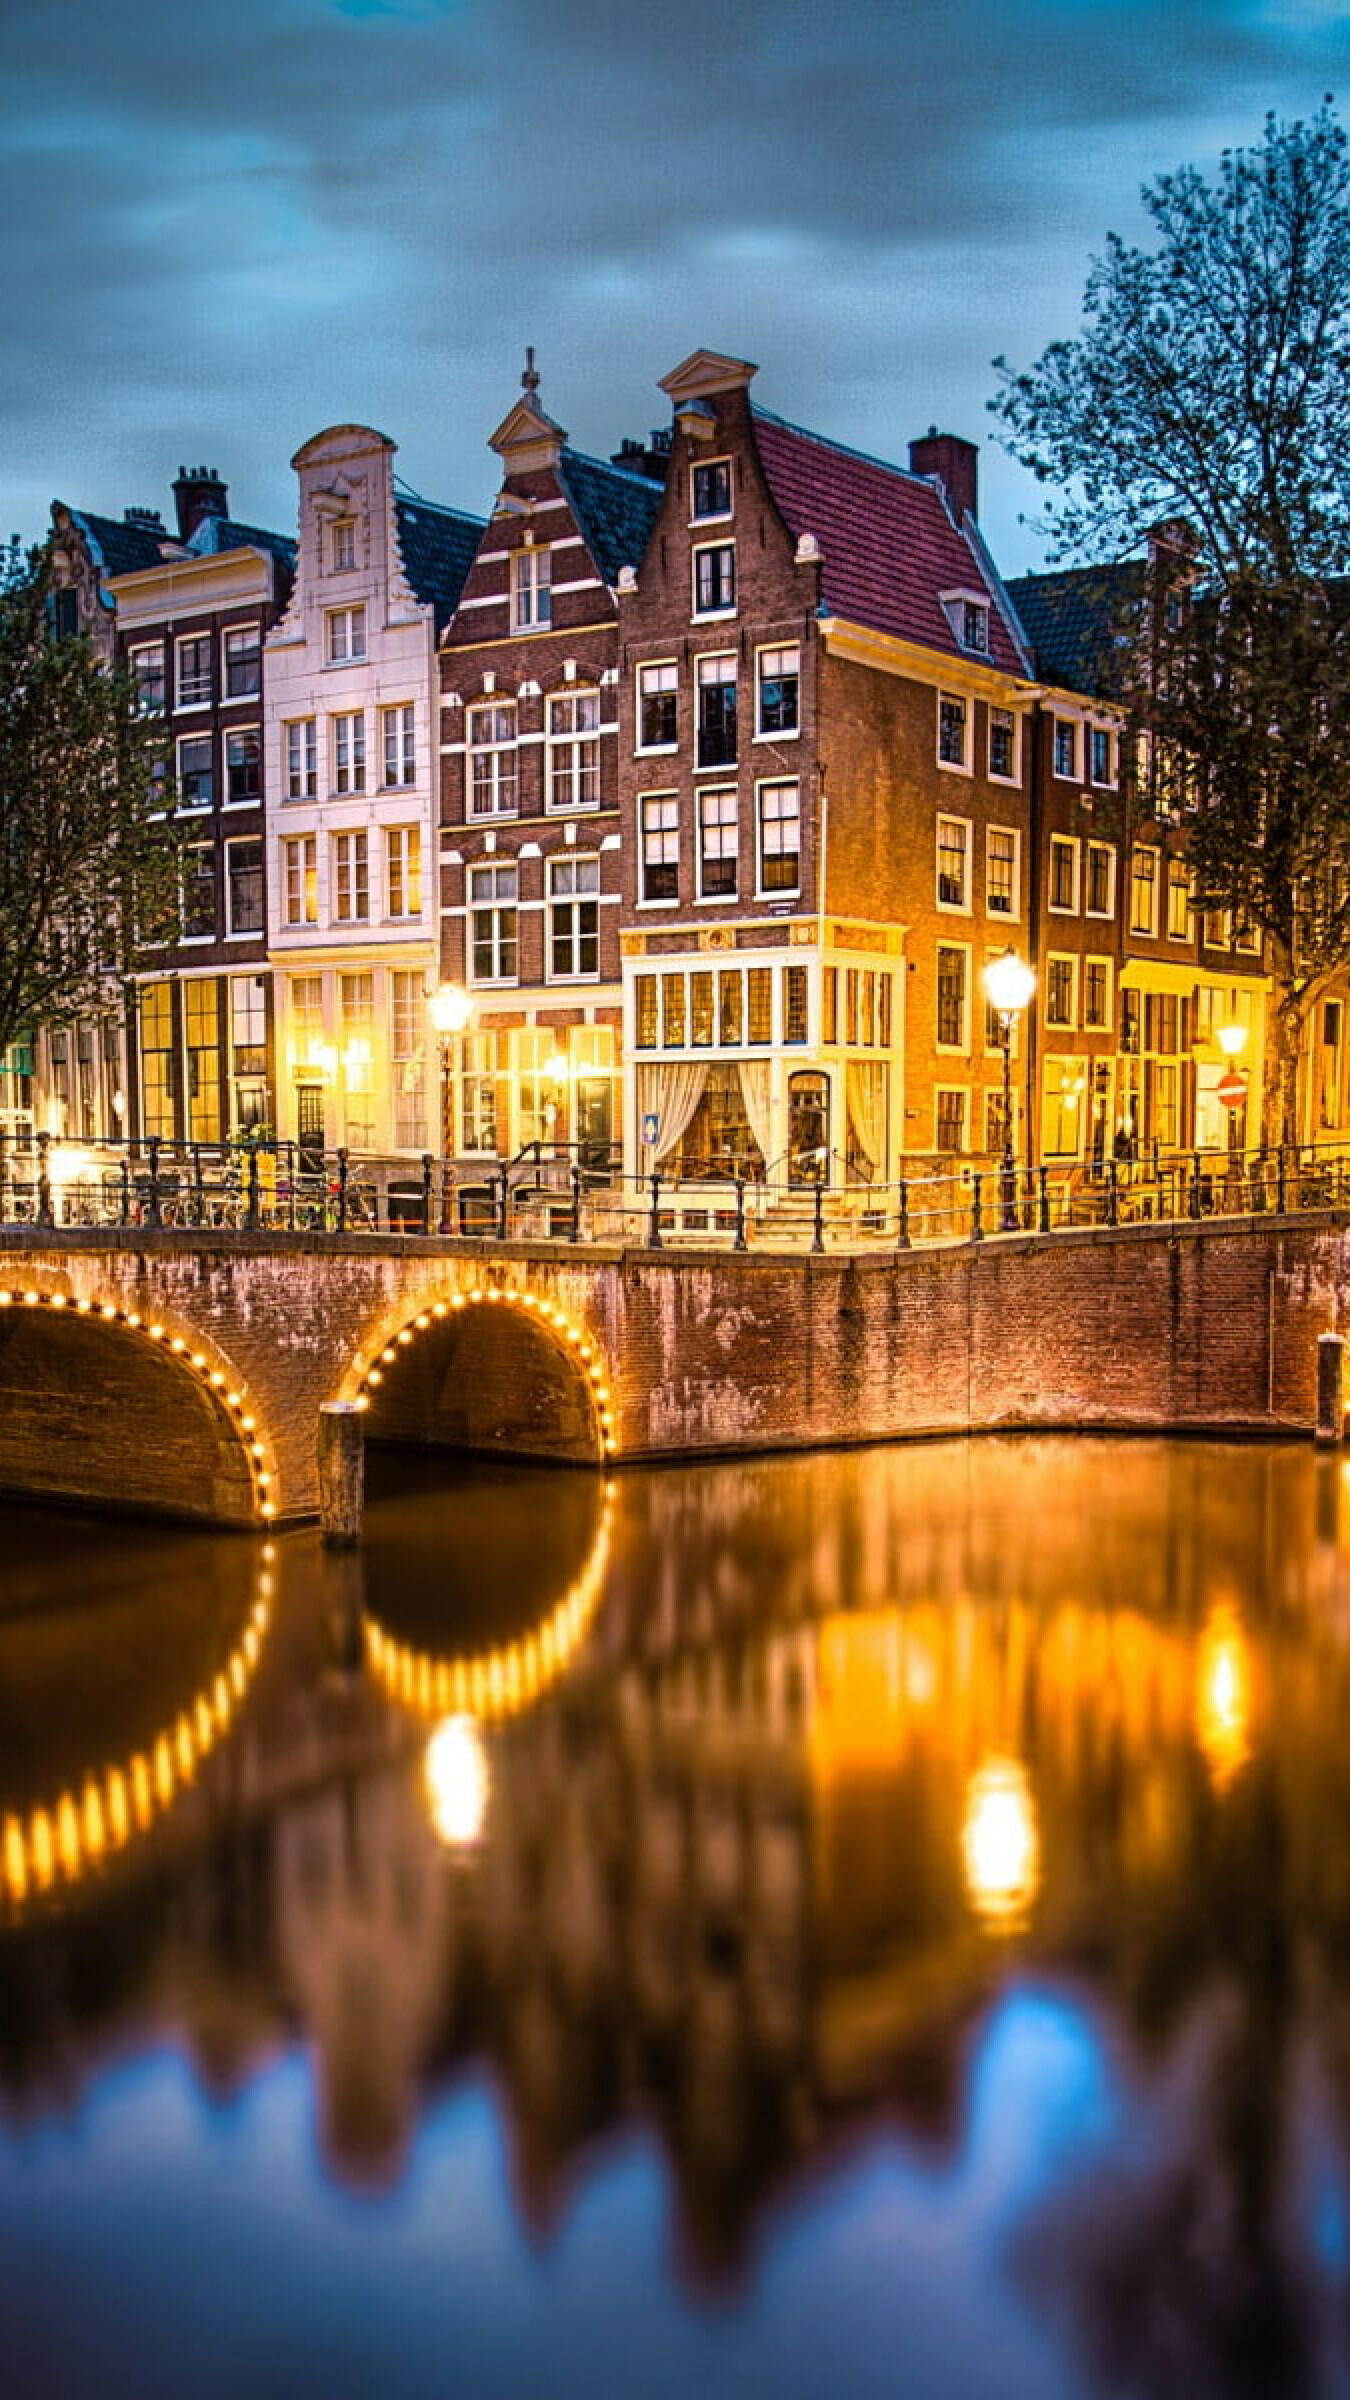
439, 508
606, 466
826, 441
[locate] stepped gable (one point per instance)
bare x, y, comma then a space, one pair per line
615, 511
438, 546
1073, 621
888, 541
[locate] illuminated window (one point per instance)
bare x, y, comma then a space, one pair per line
952, 996
300, 877
779, 838
953, 863
1000, 875
403, 871
1144, 889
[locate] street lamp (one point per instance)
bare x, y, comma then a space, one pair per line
1232, 1040
1008, 986
451, 1010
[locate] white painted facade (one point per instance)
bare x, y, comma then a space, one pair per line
353, 931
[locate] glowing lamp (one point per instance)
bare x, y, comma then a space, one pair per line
1008, 983
451, 1008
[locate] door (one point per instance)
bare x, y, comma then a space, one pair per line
808, 1128
309, 1127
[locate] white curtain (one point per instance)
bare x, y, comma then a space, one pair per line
755, 1075
670, 1094
867, 1107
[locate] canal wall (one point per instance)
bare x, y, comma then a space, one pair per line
186, 1371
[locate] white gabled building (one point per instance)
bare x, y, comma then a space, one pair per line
352, 703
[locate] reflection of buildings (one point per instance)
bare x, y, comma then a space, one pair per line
721, 1882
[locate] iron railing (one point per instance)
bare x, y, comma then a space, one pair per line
557, 1192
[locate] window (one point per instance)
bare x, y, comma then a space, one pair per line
644, 999
244, 886
201, 1033
349, 752
356, 1001
1097, 995
300, 877
407, 1022
342, 545
351, 877
658, 704
1063, 1091
710, 486
479, 1094
795, 1028
1102, 751
1066, 748
193, 670
1246, 936
780, 838
952, 1029
1144, 889
717, 844
660, 846
779, 690
531, 590
975, 626
196, 771
492, 759
1003, 745
574, 750
1101, 880
146, 662
1063, 874
243, 662
759, 1027
403, 871
715, 579
573, 918
716, 712
950, 1122
493, 894
302, 773
199, 892
953, 728
346, 635
1178, 900
1060, 978
1000, 871
248, 1040
400, 757
953, 862
243, 767
157, 1059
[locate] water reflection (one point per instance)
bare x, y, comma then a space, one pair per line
985, 1801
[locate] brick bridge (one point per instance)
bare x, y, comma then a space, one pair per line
182, 1371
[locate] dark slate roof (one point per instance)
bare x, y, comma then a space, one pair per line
1073, 619
222, 533
614, 510
438, 546
119, 548
887, 540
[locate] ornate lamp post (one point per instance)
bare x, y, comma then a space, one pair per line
451, 1010
1008, 986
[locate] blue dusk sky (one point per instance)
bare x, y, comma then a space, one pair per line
226, 226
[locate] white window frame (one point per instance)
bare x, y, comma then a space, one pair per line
1097, 958
712, 516
1059, 843
1096, 733
961, 907
952, 1091
342, 546
713, 795
502, 753
764, 890
186, 641
495, 905
531, 588
238, 733
716, 658
300, 864
231, 633
301, 739
575, 751
571, 903
663, 830
782, 733
195, 808
656, 666
345, 638
961, 700
351, 871
403, 872
1149, 932
1014, 717
347, 756
1060, 723
1069, 959
723, 608
1012, 915
398, 746
961, 1049
140, 650
1100, 915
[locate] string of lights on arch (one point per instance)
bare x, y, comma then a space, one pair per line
543, 1312
61, 1841
213, 1380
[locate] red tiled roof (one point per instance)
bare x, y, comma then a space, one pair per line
888, 544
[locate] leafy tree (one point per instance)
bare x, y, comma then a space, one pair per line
86, 877
1210, 385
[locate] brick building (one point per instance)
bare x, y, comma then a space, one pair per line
351, 704
824, 698
189, 611
531, 860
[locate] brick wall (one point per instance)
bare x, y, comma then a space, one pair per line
1201, 1327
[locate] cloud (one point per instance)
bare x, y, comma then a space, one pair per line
248, 221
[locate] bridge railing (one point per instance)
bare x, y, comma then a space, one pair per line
569, 1193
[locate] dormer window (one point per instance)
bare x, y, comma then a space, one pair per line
710, 485
342, 542
967, 613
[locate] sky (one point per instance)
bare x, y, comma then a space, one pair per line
225, 226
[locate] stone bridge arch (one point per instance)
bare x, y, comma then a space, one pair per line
103, 1403
486, 1368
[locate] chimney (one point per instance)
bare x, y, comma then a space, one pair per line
955, 463
149, 519
198, 492
650, 458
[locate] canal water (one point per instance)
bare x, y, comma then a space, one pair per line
861, 1924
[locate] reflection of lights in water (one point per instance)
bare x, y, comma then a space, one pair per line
1000, 1845
1223, 1697
457, 1781
72, 1835
496, 1683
